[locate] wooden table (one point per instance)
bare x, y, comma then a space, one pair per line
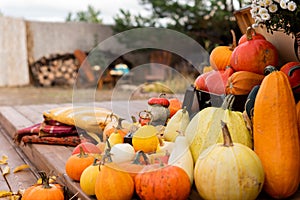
49, 158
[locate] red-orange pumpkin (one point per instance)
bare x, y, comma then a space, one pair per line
87, 147
254, 55
200, 82
162, 182
292, 70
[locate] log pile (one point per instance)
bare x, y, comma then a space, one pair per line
55, 70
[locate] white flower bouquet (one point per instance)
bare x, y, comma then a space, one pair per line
277, 15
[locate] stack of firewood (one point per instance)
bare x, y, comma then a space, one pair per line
56, 69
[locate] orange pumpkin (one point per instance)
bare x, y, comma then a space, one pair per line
116, 123
112, 182
162, 182
220, 56
175, 105
44, 191
275, 135
254, 55
77, 163
242, 82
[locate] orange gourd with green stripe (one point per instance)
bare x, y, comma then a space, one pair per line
275, 133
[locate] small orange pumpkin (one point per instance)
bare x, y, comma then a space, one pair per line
44, 191
112, 182
116, 122
220, 56
175, 105
77, 163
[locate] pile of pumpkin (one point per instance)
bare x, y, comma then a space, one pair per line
226, 154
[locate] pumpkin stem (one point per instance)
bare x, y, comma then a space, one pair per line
228, 102
133, 119
269, 69
45, 180
226, 135
107, 155
249, 32
233, 40
138, 158
184, 109
82, 153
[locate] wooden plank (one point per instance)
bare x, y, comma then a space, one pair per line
12, 120
3, 184
32, 115
19, 180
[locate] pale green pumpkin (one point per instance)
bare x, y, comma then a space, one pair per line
228, 171
205, 129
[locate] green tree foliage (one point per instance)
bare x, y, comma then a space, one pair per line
208, 22
90, 15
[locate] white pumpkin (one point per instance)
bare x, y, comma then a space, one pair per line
122, 152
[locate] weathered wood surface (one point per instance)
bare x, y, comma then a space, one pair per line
14, 181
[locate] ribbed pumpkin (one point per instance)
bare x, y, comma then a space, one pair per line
205, 129
162, 182
242, 82
228, 171
220, 56
275, 132
254, 55
113, 182
44, 191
